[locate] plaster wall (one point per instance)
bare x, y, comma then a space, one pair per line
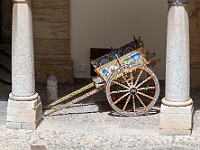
112, 23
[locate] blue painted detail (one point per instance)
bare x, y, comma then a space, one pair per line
136, 56
105, 72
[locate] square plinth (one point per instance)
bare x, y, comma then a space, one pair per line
24, 114
177, 120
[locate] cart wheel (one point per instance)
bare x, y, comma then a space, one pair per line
132, 91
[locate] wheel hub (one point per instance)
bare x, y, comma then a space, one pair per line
133, 91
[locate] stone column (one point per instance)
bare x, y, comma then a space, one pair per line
177, 106
24, 109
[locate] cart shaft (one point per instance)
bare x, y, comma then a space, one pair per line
70, 95
75, 100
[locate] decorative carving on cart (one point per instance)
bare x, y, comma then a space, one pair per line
131, 87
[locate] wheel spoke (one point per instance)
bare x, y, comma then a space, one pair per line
146, 88
128, 99
144, 81
133, 96
126, 81
120, 84
119, 99
119, 91
150, 97
138, 78
131, 78
140, 100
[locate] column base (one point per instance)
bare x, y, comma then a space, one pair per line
24, 114
176, 120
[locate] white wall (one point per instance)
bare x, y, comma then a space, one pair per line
112, 23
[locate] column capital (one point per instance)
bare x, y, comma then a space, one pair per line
178, 1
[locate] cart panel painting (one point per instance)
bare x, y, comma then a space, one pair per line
106, 70
133, 59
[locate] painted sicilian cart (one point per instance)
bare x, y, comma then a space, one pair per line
130, 85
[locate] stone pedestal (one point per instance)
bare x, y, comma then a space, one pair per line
177, 106
176, 120
24, 109
24, 114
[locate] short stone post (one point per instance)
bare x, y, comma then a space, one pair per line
52, 89
24, 109
177, 106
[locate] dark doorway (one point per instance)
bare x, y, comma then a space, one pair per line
5, 40
6, 21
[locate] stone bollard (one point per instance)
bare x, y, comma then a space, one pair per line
52, 88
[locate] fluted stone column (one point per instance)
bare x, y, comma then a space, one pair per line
177, 106
24, 106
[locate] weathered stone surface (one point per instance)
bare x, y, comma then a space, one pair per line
24, 108
22, 51
29, 115
51, 35
51, 30
27, 104
13, 125
52, 88
82, 127
31, 125
176, 121
50, 14
62, 72
51, 47
194, 14
53, 59
195, 74
174, 132
177, 118
194, 2
177, 110
52, 4
177, 61
194, 10
195, 26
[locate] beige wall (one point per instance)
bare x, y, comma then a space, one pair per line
112, 23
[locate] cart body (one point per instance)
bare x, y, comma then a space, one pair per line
130, 85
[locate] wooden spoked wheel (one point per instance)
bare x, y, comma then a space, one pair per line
132, 91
